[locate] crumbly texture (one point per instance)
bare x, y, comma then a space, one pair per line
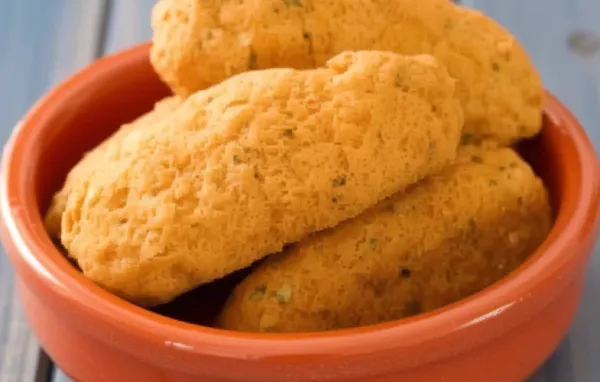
448, 237
199, 43
90, 161
258, 161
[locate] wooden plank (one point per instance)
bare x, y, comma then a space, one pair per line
129, 24
40, 43
563, 38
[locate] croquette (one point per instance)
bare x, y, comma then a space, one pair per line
439, 241
256, 162
91, 159
200, 43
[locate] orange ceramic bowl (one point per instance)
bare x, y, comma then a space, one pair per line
500, 334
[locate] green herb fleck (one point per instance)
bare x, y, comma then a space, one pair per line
374, 243
294, 3
477, 159
431, 145
236, 159
467, 139
339, 181
283, 295
288, 132
495, 67
252, 64
258, 293
405, 273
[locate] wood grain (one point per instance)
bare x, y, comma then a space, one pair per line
129, 24
40, 43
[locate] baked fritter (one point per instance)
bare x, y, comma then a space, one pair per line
90, 160
200, 43
444, 239
258, 161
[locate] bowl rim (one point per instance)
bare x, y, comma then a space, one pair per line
35, 248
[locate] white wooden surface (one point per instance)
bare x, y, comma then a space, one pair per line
39, 48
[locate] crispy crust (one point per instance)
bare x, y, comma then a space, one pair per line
200, 43
92, 159
448, 237
256, 162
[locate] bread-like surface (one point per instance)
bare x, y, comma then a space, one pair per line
199, 43
442, 240
91, 159
256, 162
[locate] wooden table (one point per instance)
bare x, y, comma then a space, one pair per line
43, 41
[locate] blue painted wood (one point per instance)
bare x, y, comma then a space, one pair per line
129, 24
545, 27
40, 42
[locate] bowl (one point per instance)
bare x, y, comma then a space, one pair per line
502, 333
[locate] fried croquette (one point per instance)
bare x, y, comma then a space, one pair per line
199, 43
258, 161
90, 160
443, 239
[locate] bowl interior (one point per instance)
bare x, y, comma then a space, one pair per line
92, 106
90, 112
